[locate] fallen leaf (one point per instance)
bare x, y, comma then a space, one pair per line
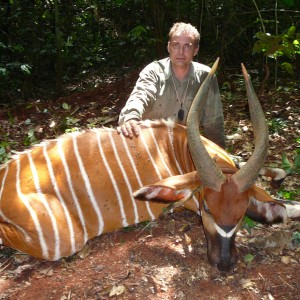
187, 239
84, 252
247, 284
286, 259
184, 228
235, 136
20, 269
105, 291
117, 290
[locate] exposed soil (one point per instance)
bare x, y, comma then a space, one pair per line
165, 259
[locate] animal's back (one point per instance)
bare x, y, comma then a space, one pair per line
57, 195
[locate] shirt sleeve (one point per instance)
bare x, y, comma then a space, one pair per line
142, 96
213, 118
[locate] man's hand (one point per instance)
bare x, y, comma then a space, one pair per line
129, 129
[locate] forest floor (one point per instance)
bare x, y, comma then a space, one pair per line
167, 259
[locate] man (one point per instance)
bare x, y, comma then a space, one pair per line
166, 89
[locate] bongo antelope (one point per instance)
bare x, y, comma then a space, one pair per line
57, 195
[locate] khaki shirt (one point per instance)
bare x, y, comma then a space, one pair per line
154, 97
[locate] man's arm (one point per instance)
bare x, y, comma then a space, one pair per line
143, 94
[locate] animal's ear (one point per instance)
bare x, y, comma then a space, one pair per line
259, 194
171, 189
263, 208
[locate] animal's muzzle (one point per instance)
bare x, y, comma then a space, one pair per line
228, 257
222, 252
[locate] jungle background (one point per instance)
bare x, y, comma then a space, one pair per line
71, 65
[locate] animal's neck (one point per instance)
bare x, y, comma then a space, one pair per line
180, 145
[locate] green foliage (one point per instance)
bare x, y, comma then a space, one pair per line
73, 129
66, 106
289, 3
296, 238
14, 69
291, 167
5, 149
228, 96
288, 195
4, 155
30, 138
276, 125
248, 224
285, 45
97, 35
140, 38
69, 123
248, 258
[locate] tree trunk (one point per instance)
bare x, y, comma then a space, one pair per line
158, 14
59, 59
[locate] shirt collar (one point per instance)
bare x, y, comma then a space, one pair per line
168, 70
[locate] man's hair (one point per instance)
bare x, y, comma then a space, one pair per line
179, 28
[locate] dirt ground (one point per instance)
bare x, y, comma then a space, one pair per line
165, 259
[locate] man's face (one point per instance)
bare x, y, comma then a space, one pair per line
182, 49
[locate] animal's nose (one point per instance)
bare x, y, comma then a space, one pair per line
225, 264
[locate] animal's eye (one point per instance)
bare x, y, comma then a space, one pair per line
206, 207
